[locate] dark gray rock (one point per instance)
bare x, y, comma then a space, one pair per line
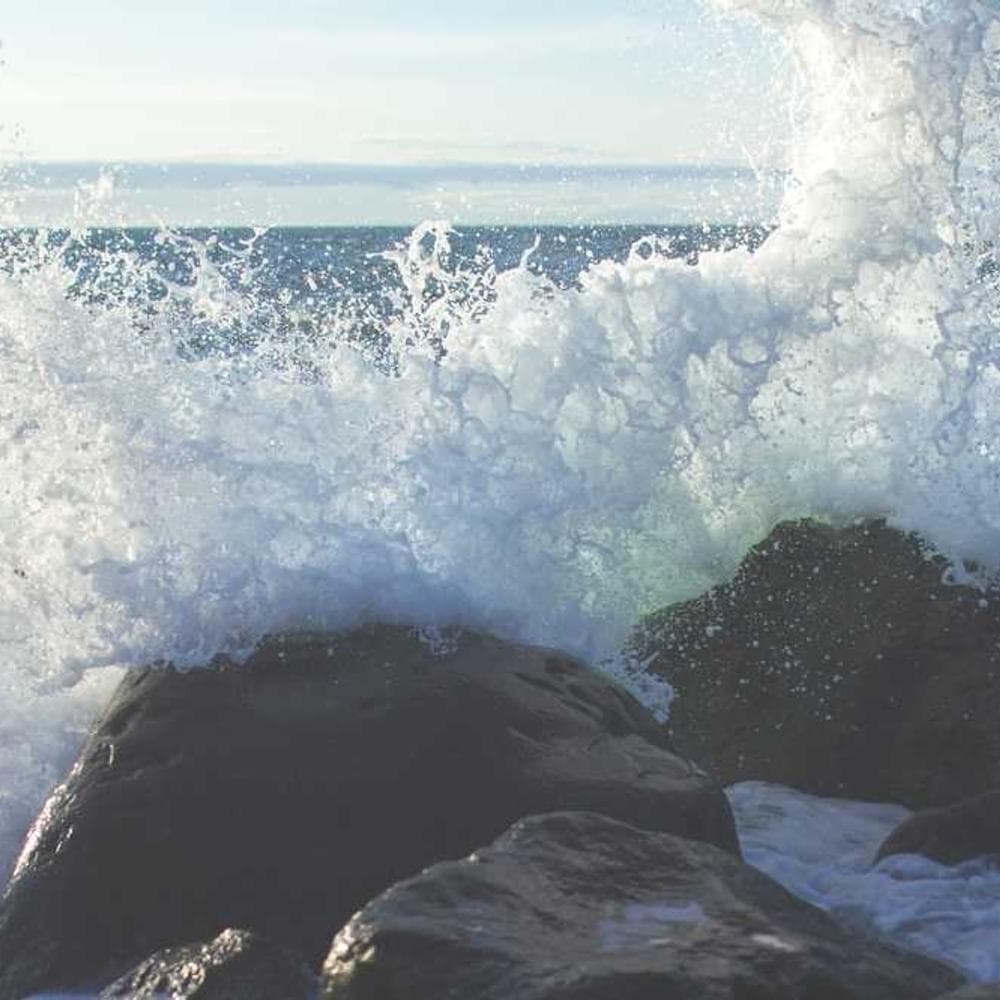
960, 832
845, 645
237, 965
987, 991
281, 795
576, 906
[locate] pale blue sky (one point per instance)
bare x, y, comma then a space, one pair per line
383, 81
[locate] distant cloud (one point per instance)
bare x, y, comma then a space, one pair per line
417, 148
609, 35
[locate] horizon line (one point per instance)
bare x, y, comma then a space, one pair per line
315, 173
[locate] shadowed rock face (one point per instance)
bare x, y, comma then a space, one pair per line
575, 906
966, 830
237, 965
988, 991
283, 794
837, 661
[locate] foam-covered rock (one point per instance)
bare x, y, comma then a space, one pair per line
281, 795
960, 832
576, 906
236, 965
839, 661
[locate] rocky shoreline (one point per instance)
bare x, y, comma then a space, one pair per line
378, 815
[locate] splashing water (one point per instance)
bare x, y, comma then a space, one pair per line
823, 850
185, 468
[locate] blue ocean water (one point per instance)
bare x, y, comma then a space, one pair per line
308, 269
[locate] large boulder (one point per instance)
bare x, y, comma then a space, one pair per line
282, 794
576, 906
960, 832
842, 662
236, 965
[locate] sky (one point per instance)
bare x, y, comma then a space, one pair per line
384, 82
378, 81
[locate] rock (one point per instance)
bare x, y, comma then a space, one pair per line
984, 991
281, 795
838, 662
237, 965
576, 906
960, 832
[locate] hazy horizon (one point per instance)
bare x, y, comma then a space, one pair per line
568, 111
597, 105
214, 193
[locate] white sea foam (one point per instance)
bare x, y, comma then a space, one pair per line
823, 849
574, 459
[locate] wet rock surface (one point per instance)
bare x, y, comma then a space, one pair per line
576, 906
236, 965
960, 832
987, 991
839, 662
281, 795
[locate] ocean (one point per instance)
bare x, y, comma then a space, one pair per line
545, 432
